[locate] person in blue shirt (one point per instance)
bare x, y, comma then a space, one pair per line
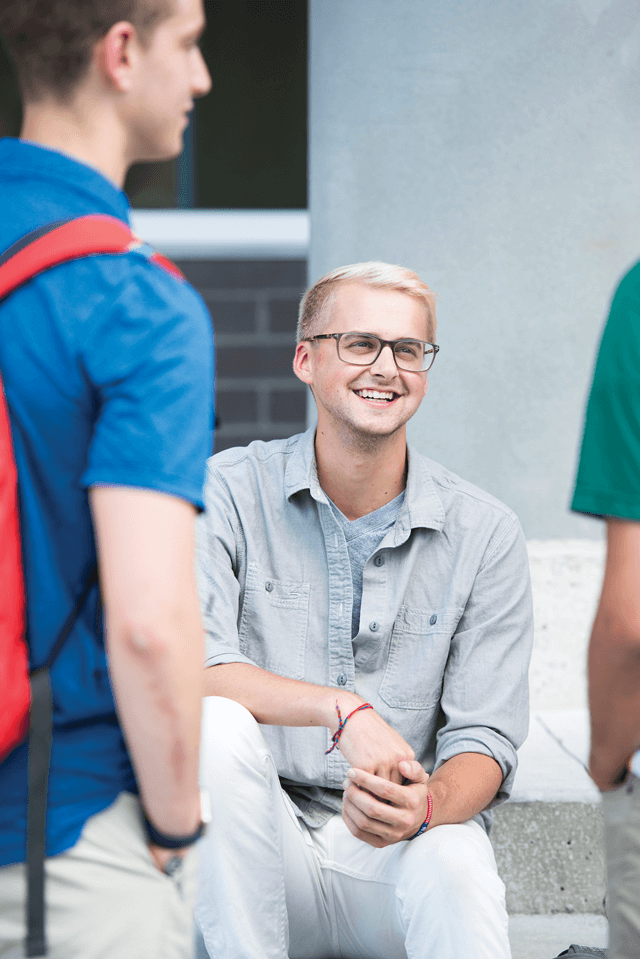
107, 364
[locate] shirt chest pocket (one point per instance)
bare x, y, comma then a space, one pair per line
273, 624
418, 654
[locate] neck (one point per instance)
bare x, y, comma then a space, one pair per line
358, 476
86, 131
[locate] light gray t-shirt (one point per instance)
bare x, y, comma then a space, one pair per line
363, 536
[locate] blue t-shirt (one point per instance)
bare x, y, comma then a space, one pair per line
107, 365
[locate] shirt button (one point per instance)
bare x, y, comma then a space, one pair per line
268, 585
433, 620
374, 627
342, 680
379, 561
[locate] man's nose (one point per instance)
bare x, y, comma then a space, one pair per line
201, 81
385, 364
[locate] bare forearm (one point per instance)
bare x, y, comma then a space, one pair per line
463, 787
367, 742
156, 673
614, 656
614, 699
154, 643
275, 700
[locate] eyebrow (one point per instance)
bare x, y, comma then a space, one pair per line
396, 340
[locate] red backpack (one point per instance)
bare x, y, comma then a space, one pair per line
25, 692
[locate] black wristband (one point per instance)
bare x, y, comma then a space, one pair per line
165, 841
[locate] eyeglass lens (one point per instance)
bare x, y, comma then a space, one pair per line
362, 350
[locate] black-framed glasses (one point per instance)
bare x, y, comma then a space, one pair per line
363, 349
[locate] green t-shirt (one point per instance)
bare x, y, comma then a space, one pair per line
608, 481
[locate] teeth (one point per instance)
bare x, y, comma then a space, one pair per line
375, 395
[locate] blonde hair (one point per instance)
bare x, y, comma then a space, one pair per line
317, 303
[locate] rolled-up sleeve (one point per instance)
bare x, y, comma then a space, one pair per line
485, 696
220, 546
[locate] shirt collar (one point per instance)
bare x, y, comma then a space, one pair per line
31, 161
301, 472
422, 505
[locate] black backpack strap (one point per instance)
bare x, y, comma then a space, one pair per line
38, 766
39, 758
90, 582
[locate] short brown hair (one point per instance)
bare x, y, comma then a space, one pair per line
51, 41
315, 308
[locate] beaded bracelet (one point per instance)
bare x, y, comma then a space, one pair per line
342, 723
425, 824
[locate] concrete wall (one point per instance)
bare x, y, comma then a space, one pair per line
494, 147
566, 576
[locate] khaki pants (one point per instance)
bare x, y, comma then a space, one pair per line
105, 898
621, 811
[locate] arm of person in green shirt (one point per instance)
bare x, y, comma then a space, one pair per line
614, 658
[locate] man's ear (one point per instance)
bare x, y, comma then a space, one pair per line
302, 363
118, 54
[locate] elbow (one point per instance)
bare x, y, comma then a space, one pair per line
151, 636
144, 642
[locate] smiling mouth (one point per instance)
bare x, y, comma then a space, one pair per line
387, 395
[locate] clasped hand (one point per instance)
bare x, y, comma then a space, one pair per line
385, 797
381, 812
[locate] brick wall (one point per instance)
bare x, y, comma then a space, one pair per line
254, 305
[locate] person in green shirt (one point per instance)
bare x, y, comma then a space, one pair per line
608, 486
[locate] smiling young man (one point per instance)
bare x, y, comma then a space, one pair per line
104, 361
372, 612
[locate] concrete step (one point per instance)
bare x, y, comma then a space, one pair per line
548, 837
545, 937
531, 937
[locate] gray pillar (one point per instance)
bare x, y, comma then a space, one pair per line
494, 147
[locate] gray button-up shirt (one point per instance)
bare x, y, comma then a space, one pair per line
446, 621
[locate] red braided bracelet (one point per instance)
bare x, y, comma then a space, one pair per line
423, 827
342, 723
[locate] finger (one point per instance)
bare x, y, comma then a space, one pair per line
383, 789
368, 806
389, 773
366, 828
413, 771
357, 824
351, 826
369, 838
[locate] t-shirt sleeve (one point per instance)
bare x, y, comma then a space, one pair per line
149, 359
608, 480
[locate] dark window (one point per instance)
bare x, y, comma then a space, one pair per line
246, 147
10, 108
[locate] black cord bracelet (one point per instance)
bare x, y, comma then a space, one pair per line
164, 841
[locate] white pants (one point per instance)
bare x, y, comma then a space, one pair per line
271, 888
